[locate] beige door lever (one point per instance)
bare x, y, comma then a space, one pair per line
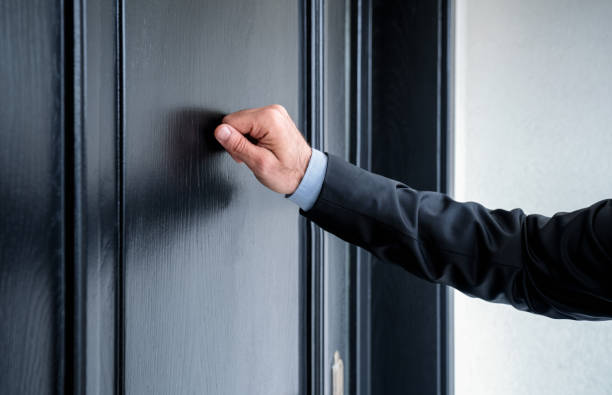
337, 375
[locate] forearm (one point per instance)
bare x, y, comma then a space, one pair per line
560, 266
496, 255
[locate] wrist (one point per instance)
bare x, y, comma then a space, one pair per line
303, 164
307, 191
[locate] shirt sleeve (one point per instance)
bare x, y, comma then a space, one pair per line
309, 189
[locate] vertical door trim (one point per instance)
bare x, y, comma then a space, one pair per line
360, 155
74, 220
312, 125
62, 322
444, 130
444, 184
119, 352
312, 238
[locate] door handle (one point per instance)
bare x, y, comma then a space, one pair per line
337, 375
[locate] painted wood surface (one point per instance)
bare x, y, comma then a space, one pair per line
192, 281
102, 201
339, 262
211, 256
31, 215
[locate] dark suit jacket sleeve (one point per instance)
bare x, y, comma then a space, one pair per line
560, 266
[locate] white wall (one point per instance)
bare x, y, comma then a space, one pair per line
533, 130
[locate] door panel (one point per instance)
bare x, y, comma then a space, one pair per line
31, 198
211, 257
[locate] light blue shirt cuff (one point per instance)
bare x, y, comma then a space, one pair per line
308, 191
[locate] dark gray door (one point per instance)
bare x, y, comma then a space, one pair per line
136, 257
211, 273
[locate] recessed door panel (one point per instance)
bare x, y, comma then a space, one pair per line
211, 257
31, 198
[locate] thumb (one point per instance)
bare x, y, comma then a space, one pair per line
238, 146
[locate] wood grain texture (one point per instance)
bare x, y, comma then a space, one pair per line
211, 286
31, 248
101, 198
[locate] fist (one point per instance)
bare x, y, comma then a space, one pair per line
276, 151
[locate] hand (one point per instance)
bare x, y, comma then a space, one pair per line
280, 155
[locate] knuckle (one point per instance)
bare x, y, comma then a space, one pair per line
279, 108
238, 145
261, 164
274, 113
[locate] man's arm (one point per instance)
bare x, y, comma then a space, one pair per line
560, 266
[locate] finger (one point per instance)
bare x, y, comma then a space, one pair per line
242, 120
258, 121
238, 146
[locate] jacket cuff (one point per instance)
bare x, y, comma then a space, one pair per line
346, 191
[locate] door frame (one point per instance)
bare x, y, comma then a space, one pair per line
429, 320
